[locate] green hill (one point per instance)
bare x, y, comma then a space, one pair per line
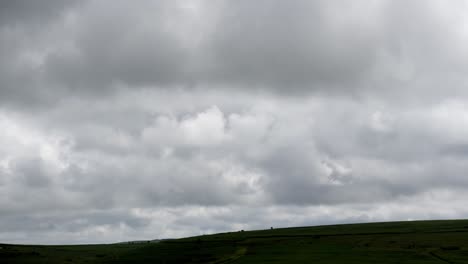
393, 242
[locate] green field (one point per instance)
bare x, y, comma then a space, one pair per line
394, 242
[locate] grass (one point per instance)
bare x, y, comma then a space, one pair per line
394, 242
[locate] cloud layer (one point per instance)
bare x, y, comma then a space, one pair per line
171, 118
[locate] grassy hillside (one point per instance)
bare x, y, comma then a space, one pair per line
395, 242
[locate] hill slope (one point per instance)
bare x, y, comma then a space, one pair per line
393, 242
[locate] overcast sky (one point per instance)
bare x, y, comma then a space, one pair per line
124, 120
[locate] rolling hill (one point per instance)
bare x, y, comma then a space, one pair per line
443, 241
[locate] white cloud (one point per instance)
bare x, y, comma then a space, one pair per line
206, 128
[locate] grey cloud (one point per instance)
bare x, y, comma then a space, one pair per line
455, 150
128, 44
32, 173
299, 46
281, 44
173, 119
353, 49
72, 221
286, 165
25, 29
268, 44
33, 13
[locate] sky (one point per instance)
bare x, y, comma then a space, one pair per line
124, 120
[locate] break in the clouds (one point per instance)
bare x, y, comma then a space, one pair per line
123, 120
